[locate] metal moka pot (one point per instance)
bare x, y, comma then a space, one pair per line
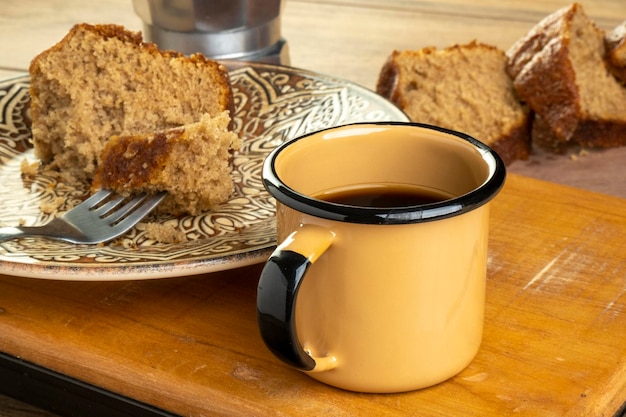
247, 30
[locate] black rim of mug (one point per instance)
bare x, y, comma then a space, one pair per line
395, 215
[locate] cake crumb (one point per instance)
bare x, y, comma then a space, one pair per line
165, 233
27, 168
49, 207
580, 154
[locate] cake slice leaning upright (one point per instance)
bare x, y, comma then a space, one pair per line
559, 69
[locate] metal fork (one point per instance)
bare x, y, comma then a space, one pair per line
101, 217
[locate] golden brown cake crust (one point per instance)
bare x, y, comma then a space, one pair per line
105, 31
387, 84
588, 133
129, 162
407, 74
515, 144
543, 74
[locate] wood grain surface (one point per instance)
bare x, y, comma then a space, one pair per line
556, 302
553, 341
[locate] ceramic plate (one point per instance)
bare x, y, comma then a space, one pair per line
273, 104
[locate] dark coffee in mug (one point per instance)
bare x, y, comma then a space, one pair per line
384, 195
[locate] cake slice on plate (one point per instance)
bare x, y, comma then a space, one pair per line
102, 82
175, 160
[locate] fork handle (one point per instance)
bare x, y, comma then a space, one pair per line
7, 233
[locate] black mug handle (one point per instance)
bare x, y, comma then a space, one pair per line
278, 288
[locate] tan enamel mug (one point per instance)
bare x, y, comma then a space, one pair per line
378, 295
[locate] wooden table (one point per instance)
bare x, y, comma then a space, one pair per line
555, 335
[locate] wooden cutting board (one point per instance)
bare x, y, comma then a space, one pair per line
554, 341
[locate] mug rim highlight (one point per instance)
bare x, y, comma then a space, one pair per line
395, 215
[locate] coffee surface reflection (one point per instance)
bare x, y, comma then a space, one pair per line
384, 195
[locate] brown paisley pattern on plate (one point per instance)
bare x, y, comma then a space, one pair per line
272, 105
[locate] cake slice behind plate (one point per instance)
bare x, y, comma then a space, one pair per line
464, 88
559, 69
